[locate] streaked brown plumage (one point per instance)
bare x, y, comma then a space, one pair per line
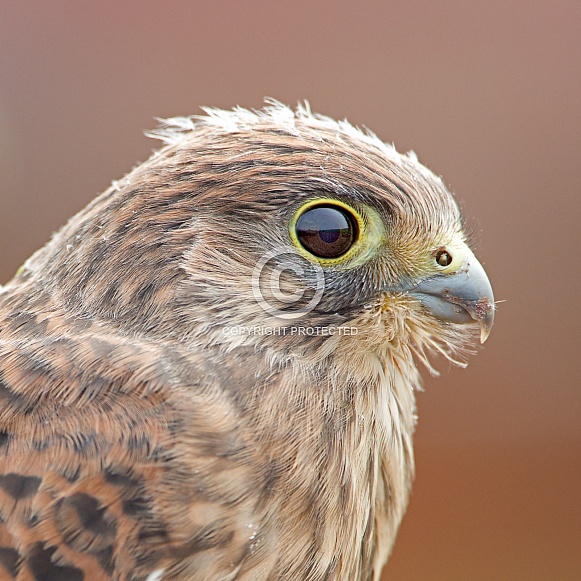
151, 427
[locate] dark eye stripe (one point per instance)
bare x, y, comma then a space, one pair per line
327, 231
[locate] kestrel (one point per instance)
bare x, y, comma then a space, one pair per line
209, 372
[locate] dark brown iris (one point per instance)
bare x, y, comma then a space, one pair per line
327, 231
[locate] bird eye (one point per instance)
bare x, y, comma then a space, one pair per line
327, 231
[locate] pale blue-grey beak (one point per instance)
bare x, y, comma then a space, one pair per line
462, 294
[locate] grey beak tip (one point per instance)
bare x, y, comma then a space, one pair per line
484, 333
484, 314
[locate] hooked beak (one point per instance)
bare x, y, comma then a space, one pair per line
461, 294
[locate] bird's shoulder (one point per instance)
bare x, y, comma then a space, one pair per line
98, 476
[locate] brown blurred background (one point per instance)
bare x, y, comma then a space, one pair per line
487, 93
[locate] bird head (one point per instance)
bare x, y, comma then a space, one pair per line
244, 307
274, 229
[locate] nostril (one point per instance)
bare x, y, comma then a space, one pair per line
443, 258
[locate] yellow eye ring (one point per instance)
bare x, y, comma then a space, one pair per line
334, 233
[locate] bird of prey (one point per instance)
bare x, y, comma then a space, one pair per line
208, 373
